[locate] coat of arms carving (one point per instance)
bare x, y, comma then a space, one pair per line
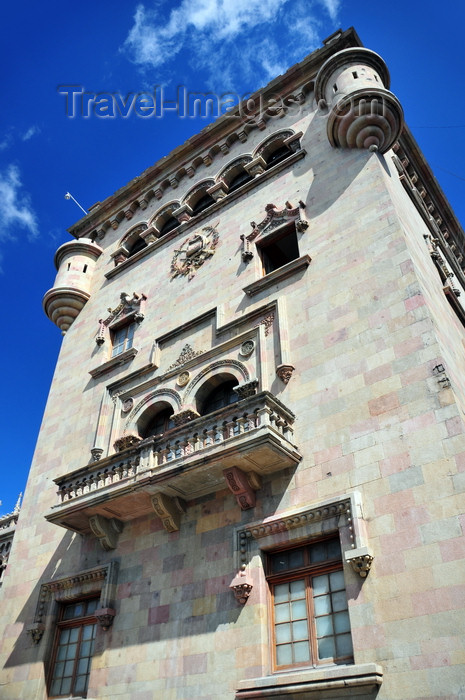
194, 251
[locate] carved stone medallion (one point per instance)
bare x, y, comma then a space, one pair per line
193, 252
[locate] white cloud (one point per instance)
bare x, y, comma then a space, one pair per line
252, 39
16, 211
32, 131
7, 141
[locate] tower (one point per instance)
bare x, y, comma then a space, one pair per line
248, 481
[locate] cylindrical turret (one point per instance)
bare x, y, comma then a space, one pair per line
75, 262
363, 113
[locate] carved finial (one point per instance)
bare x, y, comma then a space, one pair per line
362, 565
105, 617
17, 507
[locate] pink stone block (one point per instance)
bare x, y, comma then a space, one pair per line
433, 660
194, 664
336, 337
395, 464
329, 454
414, 302
407, 347
159, 614
383, 404
452, 550
377, 374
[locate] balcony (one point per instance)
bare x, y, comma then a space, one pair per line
232, 447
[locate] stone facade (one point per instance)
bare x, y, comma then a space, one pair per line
325, 289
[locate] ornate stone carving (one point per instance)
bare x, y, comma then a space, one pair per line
183, 378
129, 308
125, 441
247, 389
36, 631
267, 322
127, 405
106, 530
284, 372
187, 353
96, 453
242, 586
193, 252
169, 510
239, 483
361, 564
184, 416
274, 219
105, 617
247, 348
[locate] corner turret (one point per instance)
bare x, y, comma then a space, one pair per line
354, 85
75, 262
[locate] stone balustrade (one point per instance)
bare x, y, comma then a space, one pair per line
253, 434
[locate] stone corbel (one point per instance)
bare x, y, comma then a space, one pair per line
169, 510
247, 254
36, 631
284, 372
293, 142
360, 560
247, 389
120, 255
125, 441
183, 213
243, 485
106, 530
218, 191
150, 235
241, 585
105, 617
257, 166
184, 417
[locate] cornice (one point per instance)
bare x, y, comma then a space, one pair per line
214, 140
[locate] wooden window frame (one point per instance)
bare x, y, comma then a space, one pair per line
63, 624
307, 572
115, 331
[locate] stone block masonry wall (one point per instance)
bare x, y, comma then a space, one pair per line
367, 324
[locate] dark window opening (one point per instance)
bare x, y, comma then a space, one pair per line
139, 244
160, 423
203, 203
278, 155
170, 224
278, 250
220, 397
239, 180
355, 74
84, 268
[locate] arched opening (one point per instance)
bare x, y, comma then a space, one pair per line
156, 420
239, 179
277, 155
218, 396
133, 246
168, 225
205, 201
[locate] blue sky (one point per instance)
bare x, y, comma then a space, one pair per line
115, 47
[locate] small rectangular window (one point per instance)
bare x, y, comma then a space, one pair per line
122, 339
73, 649
310, 614
276, 251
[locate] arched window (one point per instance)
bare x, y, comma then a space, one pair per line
205, 201
219, 397
156, 420
280, 153
168, 225
239, 179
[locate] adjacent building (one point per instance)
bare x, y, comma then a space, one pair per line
249, 480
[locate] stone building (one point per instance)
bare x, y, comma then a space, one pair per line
7, 532
249, 478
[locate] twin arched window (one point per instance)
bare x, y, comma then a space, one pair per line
158, 418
